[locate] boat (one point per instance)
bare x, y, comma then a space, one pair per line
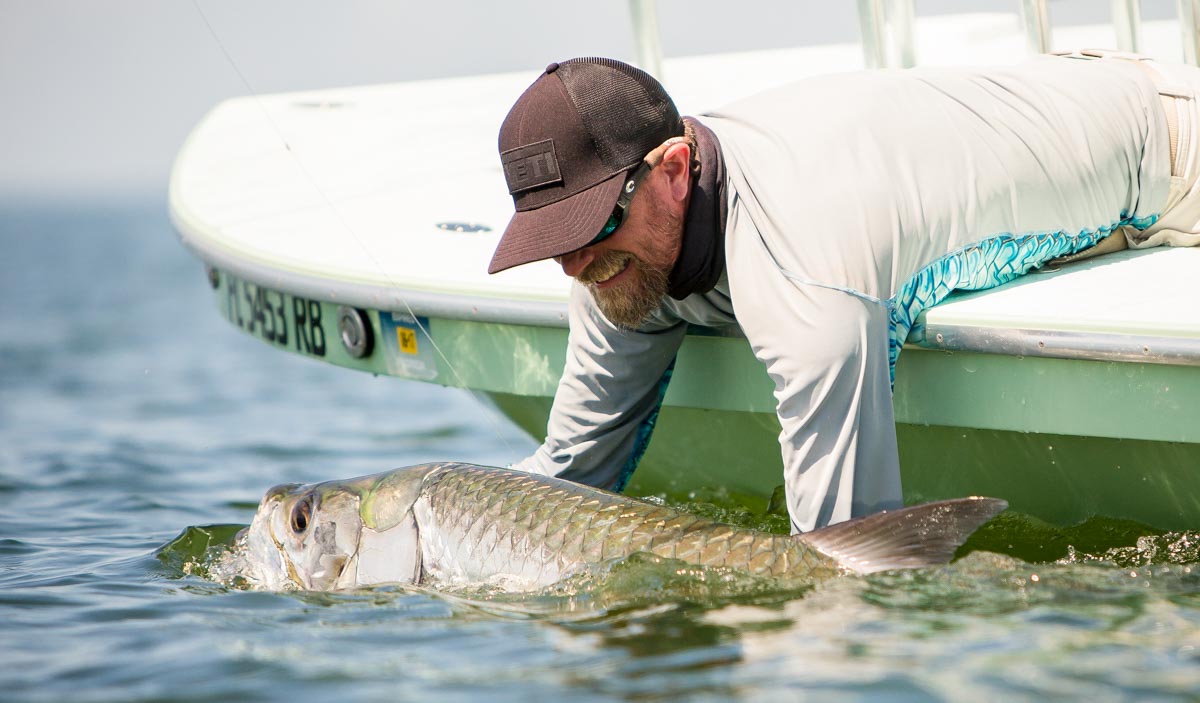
354, 226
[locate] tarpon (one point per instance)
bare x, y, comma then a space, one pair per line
457, 524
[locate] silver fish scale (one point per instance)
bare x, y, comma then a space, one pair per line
490, 521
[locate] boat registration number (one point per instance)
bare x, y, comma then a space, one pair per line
282, 319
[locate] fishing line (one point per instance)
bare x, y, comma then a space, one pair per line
341, 220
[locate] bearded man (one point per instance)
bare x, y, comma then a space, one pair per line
821, 217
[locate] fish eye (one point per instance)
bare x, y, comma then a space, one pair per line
301, 514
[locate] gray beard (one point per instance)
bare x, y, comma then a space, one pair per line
629, 305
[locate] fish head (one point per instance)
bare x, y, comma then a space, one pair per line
338, 534
304, 537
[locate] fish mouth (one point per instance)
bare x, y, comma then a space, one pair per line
284, 560
332, 569
322, 558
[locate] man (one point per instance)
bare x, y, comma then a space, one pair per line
821, 217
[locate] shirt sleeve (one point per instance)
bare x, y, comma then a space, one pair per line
826, 351
608, 398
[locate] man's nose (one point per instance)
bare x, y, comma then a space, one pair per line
573, 263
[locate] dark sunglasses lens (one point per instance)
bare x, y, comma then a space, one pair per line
614, 221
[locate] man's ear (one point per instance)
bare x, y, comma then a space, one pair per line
676, 165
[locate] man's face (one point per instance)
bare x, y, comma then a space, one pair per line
627, 272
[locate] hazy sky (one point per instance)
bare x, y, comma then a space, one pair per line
97, 96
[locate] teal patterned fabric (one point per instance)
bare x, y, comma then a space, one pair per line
981, 265
644, 431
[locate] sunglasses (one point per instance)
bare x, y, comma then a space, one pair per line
618, 213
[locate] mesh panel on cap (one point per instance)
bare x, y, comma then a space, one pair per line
624, 109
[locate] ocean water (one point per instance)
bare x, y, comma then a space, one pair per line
138, 429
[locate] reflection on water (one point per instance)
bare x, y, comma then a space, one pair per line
131, 411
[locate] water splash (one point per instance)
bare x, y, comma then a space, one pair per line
208, 552
1181, 548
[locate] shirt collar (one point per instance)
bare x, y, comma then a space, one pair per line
702, 252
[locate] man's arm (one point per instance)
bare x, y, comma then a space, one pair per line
608, 399
827, 353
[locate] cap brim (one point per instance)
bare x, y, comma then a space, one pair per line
557, 228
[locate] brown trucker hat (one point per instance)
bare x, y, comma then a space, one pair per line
567, 145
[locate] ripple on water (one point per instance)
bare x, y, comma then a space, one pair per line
11, 547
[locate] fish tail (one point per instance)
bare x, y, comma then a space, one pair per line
908, 538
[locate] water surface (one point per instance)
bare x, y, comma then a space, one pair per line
131, 413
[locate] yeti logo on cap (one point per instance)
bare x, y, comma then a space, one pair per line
530, 166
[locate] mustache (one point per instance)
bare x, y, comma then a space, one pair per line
607, 265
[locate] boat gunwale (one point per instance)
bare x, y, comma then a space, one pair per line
1062, 344
939, 336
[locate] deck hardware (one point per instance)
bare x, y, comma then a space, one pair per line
214, 278
470, 227
355, 330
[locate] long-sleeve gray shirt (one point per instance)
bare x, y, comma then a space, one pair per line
854, 202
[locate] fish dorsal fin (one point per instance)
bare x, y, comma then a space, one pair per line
907, 538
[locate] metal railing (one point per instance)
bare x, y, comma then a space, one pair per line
1127, 21
646, 41
887, 31
1126, 18
888, 42
1188, 12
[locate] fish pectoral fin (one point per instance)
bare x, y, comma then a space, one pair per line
908, 538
